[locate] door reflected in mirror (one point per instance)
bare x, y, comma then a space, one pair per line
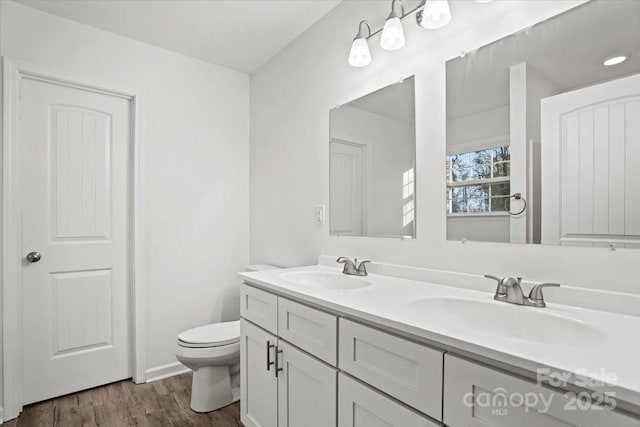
543, 133
372, 164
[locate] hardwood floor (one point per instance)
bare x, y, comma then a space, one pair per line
160, 403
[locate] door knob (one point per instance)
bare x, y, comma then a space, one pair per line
33, 256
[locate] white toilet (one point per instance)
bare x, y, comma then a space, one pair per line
213, 353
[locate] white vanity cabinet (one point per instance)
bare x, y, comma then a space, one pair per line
282, 385
478, 396
304, 366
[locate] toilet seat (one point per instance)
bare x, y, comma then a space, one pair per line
213, 335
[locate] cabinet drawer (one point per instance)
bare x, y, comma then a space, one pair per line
361, 406
312, 330
260, 307
410, 372
475, 395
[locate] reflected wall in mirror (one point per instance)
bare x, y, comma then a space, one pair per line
547, 115
372, 164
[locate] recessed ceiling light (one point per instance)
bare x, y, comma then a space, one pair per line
614, 60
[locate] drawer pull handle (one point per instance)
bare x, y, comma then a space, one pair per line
269, 361
278, 368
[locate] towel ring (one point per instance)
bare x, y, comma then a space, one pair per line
518, 196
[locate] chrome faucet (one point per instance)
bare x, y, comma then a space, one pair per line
510, 290
352, 268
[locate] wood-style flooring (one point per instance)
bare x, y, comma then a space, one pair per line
160, 403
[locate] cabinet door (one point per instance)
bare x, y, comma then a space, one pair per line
307, 390
259, 387
477, 396
361, 406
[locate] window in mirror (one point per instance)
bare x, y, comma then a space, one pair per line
479, 181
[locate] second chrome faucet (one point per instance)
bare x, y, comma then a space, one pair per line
352, 268
510, 290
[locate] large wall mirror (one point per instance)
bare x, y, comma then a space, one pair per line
372, 164
543, 132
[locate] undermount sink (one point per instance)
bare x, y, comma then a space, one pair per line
507, 320
324, 279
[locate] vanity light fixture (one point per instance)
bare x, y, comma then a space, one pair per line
360, 56
614, 60
393, 34
430, 14
435, 14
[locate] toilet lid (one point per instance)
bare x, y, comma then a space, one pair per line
213, 335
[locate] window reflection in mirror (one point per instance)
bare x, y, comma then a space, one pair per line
372, 164
541, 114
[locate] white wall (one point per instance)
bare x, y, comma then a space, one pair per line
479, 228
391, 145
290, 101
478, 131
195, 127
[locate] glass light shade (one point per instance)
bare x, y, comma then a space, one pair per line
436, 14
359, 55
392, 34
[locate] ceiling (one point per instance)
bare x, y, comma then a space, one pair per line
396, 102
568, 50
237, 34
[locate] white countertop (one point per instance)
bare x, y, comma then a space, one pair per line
386, 303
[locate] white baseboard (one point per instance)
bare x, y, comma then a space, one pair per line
165, 371
1, 416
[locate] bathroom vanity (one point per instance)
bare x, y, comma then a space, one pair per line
322, 348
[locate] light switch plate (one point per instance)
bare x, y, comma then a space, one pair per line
318, 214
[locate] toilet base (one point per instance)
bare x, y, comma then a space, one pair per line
211, 388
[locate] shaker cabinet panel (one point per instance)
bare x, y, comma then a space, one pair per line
307, 390
478, 396
361, 406
312, 330
408, 371
260, 307
259, 385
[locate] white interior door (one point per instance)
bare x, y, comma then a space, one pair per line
75, 190
347, 166
590, 158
